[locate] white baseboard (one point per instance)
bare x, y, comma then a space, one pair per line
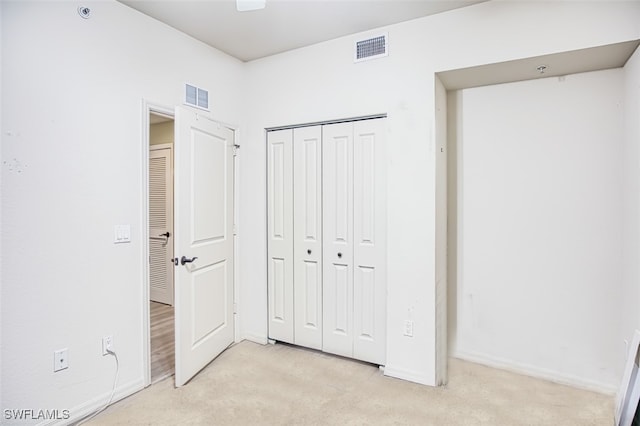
256, 338
538, 372
410, 375
84, 409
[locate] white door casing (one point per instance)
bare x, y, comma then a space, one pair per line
280, 235
307, 245
337, 217
204, 232
161, 225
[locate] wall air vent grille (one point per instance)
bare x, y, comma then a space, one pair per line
197, 97
371, 48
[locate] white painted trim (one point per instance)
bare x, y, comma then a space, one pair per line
147, 108
236, 238
88, 407
410, 375
622, 399
256, 338
161, 146
537, 372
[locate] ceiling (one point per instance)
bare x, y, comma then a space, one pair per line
284, 24
555, 65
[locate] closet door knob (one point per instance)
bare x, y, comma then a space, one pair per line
340, 255
308, 251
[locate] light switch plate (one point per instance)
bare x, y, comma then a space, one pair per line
122, 234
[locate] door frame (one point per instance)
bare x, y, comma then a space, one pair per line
149, 107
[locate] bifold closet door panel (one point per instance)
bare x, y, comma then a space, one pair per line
307, 231
369, 218
280, 234
337, 209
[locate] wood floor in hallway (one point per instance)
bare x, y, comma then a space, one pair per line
162, 341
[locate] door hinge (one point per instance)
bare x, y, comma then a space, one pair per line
236, 148
235, 229
235, 308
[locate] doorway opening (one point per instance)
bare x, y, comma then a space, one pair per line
161, 247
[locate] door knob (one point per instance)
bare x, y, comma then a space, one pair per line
185, 259
340, 255
166, 234
308, 251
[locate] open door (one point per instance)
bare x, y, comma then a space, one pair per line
203, 241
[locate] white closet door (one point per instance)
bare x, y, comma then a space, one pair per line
307, 213
337, 208
280, 232
161, 225
369, 273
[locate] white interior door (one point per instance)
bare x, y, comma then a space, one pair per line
280, 234
307, 231
161, 225
369, 237
354, 240
337, 213
203, 241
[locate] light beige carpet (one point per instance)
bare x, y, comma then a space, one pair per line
251, 384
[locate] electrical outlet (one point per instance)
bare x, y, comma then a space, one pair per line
408, 328
107, 345
60, 360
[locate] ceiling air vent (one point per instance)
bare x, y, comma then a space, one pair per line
371, 48
196, 97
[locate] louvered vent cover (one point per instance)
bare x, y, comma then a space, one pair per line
196, 97
371, 48
158, 192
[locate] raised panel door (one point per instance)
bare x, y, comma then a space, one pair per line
280, 235
369, 257
307, 220
337, 219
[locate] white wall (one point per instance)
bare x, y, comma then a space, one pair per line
72, 92
539, 229
631, 202
64, 77
321, 82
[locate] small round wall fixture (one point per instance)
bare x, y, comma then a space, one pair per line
84, 12
541, 68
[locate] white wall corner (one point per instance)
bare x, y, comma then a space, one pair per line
440, 137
